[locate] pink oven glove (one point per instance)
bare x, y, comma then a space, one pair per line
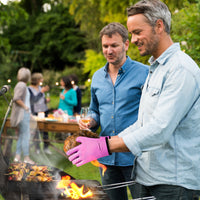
90, 149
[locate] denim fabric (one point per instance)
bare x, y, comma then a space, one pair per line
115, 107
115, 174
166, 137
24, 135
168, 192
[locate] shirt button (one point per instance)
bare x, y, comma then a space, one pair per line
113, 131
112, 117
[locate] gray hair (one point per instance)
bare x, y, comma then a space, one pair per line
114, 28
152, 10
24, 74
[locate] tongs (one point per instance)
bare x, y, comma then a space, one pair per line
116, 185
145, 198
123, 184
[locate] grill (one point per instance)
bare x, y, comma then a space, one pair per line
48, 191
25, 190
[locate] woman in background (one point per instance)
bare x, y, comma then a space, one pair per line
39, 104
20, 115
68, 97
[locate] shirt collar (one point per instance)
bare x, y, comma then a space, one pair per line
165, 55
122, 69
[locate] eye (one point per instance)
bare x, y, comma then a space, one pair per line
136, 32
114, 45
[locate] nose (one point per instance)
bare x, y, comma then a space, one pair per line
133, 39
109, 50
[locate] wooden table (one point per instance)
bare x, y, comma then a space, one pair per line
53, 126
42, 125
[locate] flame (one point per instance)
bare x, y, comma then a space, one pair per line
97, 164
72, 190
65, 182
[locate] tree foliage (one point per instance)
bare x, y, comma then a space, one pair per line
49, 40
8, 15
55, 40
93, 15
186, 27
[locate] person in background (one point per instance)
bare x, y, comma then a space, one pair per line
115, 96
68, 97
20, 115
74, 81
166, 137
39, 104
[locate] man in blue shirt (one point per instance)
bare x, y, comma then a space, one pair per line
115, 96
166, 137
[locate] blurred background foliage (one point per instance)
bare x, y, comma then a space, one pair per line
61, 37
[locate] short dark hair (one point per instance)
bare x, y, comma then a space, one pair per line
114, 28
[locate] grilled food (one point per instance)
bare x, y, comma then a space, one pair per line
31, 173
70, 141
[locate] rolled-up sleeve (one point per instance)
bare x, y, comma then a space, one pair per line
173, 102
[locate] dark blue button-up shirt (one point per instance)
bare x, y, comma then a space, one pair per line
116, 106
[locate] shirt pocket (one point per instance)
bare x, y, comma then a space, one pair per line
151, 99
153, 92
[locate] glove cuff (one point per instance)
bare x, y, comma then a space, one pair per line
107, 144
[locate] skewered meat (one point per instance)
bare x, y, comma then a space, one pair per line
27, 172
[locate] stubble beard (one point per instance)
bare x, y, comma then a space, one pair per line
152, 45
119, 58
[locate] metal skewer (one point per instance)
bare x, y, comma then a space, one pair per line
145, 198
116, 185
123, 184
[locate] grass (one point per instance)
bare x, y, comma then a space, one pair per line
57, 160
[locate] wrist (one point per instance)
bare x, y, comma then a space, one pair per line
107, 143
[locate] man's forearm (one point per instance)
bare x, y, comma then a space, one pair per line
116, 144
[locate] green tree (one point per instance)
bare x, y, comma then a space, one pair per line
185, 26
185, 29
9, 14
50, 40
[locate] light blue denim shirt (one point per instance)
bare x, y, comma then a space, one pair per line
116, 106
166, 137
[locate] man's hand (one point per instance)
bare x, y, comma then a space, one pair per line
90, 149
84, 126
